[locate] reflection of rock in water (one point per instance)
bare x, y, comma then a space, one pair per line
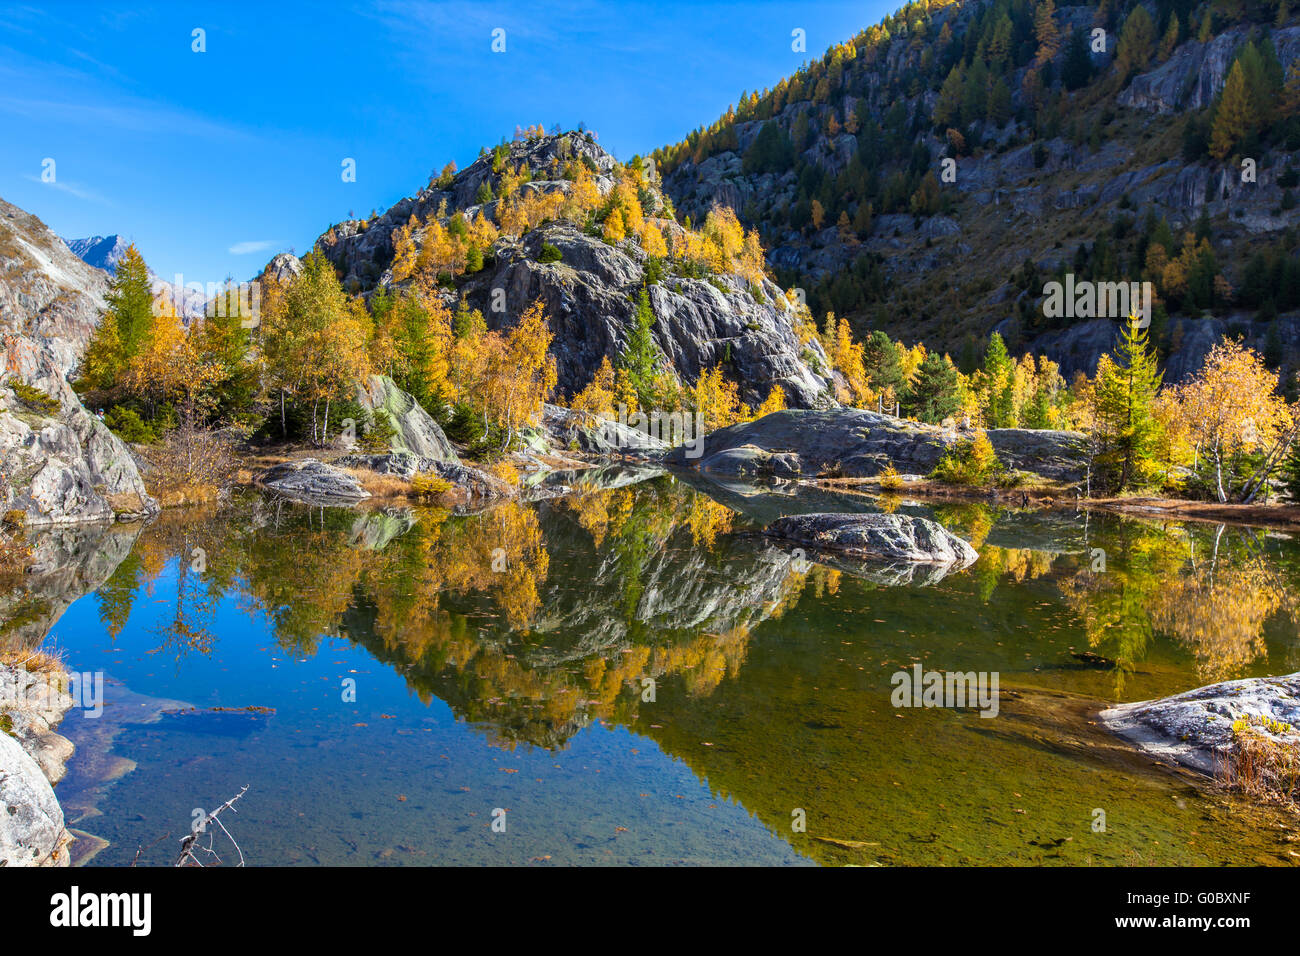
376, 529
764, 501
602, 477
67, 563
683, 589
888, 574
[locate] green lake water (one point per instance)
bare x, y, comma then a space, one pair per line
633, 675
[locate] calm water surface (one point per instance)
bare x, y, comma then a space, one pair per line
634, 676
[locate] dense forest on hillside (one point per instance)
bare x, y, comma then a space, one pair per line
841, 167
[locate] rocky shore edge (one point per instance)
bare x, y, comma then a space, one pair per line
32, 759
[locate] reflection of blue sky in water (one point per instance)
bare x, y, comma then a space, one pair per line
324, 789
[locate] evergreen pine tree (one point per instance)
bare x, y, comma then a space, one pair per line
130, 301
1126, 388
639, 359
884, 366
934, 395
999, 372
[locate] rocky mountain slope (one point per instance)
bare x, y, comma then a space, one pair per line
590, 290
842, 168
60, 464
102, 252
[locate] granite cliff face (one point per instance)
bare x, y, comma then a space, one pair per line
60, 464
590, 292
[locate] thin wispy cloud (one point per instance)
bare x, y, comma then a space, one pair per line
72, 189
254, 245
142, 118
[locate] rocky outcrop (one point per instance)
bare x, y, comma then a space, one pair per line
568, 430
58, 463
362, 251
895, 537
590, 299
311, 480
1015, 196
852, 443
1195, 728
590, 292
416, 432
1194, 74
473, 484
32, 760
282, 268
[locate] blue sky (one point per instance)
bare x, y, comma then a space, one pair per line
212, 162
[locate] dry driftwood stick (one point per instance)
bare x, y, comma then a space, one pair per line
187, 856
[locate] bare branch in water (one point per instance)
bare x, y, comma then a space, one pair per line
188, 844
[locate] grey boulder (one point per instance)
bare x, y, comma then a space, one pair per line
32, 831
417, 433
313, 480
895, 537
1195, 728
854, 443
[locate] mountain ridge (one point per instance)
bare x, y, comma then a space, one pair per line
1052, 170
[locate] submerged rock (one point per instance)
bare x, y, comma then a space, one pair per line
313, 480
1195, 728
896, 537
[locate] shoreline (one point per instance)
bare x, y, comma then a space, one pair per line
1055, 498
34, 831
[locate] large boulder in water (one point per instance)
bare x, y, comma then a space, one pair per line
854, 443
1195, 728
313, 480
894, 537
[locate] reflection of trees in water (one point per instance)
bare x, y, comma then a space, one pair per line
995, 564
1212, 590
637, 592
470, 608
